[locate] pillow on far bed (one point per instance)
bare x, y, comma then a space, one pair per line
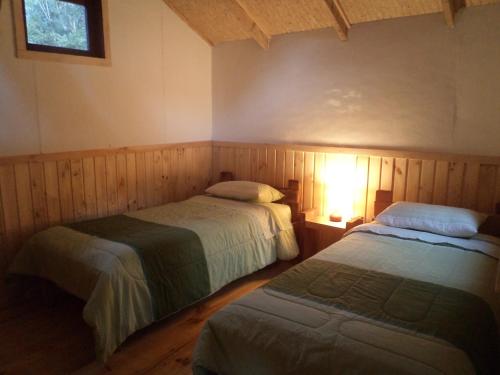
447, 221
245, 191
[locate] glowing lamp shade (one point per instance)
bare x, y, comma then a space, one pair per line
339, 178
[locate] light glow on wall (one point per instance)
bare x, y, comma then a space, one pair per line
340, 181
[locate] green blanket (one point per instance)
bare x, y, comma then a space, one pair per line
172, 258
458, 317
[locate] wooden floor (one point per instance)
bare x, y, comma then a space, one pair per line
36, 338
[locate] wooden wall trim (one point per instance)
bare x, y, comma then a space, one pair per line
369, 151
346, 179
38, 191
6, 160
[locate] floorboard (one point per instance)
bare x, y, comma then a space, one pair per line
42, 338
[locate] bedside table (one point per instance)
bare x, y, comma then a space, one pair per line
320, 233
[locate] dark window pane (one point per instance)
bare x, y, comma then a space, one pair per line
56, 23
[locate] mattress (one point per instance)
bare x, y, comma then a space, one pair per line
280, 329
237, 238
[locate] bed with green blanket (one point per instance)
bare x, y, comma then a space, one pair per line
382, 300
136, 268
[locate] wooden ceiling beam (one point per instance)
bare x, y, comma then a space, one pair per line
343, 13
252, 26
339, 24
450, 7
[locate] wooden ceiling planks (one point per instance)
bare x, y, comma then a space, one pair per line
219, 21
288, 16
216, 20
471, 3
359, 11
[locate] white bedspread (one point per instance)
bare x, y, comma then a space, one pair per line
238, 238
268, 332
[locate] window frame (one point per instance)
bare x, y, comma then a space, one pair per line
61, 54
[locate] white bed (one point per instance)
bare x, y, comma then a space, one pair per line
274, 332
237, 238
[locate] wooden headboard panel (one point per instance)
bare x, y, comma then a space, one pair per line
291, 197
226, 176
291, 192
383, 199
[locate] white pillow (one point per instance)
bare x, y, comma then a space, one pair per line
447, 221
245, 191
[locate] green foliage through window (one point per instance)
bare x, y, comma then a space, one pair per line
56, 23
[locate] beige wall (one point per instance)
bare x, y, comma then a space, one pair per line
158, 89
408, 83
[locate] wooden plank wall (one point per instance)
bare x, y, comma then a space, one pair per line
345, 180
38, 191
42, 190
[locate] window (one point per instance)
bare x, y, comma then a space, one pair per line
62, 30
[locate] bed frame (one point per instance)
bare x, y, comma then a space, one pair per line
384, 198
291, 198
